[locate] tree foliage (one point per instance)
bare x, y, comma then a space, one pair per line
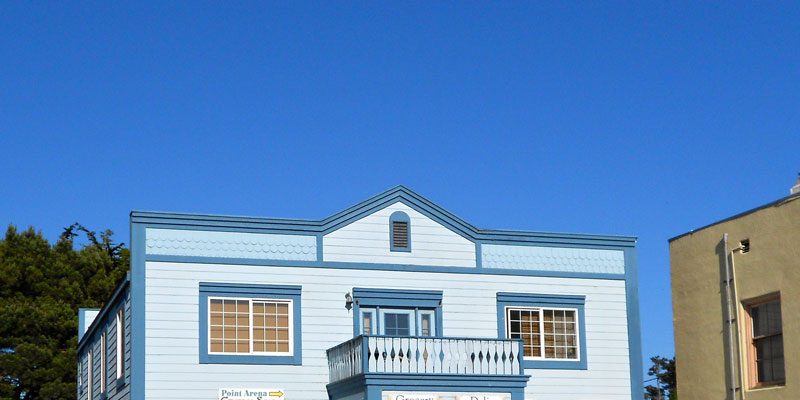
42, 287
663, 370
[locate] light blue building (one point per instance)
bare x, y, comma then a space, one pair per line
394, 298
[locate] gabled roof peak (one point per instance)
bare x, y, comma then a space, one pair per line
397, 193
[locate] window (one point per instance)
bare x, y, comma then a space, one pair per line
765, 347
400, 231
90, 375
397, 312
551, 328
103, 346
120, 336
80, 374
250, 324
545, 333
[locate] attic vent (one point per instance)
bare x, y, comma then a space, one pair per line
400, 235
400, 231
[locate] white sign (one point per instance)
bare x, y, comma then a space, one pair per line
412, 396
251, 394
481, 396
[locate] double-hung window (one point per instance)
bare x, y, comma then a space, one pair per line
765, 342
397, 312
250, 324
550, 327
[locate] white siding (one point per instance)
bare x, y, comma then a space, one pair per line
367, 241
172, 370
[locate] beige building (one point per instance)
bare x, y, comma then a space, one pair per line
758, 252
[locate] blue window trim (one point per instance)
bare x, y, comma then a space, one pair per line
399, 216
396, 298
248, 291
545, 300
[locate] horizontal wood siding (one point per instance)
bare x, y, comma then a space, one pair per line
367, 240
109, 325
172, 370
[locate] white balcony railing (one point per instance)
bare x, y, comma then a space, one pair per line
424, 355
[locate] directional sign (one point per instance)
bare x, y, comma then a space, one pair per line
250, 394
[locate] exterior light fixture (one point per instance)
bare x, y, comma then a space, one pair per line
348, 301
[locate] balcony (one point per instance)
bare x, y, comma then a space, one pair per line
452, 364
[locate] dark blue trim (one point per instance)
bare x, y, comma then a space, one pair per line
396, 298
241, 290
385, 267
399, 216
374, 384
505, 299
319, 248
100, 318
634, 324
138, 349
398, 193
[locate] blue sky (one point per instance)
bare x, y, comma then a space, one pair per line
646, 119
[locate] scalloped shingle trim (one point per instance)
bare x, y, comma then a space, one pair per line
176, 242
561, 259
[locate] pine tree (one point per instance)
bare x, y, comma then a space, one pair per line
43, 286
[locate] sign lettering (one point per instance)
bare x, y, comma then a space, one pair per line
250, 394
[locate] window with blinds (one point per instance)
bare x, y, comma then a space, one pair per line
545, 333
250, 326
765, 350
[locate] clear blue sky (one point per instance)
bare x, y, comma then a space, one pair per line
644, 119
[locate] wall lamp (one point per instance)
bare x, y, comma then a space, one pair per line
348, 301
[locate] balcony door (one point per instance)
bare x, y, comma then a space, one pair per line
397, 322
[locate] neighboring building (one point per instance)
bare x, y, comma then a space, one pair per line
758, 253
394, 298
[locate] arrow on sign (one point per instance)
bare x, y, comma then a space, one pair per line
276, 394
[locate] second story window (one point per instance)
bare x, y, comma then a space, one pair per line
765, 347
103, 347
400, 231
120, 344
398, 312
250, 324
545, 333
552, 328
245, 326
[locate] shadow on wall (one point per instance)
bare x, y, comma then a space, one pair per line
723, 301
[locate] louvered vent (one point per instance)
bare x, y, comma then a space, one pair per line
400, 234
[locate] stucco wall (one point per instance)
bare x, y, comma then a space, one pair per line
698, 297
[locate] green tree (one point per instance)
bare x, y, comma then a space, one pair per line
41, 288
663, 373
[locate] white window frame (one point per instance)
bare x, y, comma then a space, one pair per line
90, 375
431, 323
412, 326
103, 371
120, 344
373, 321
541, 310
290, 302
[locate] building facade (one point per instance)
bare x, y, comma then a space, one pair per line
393, 298
735, 284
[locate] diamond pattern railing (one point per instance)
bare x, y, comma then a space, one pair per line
424, 355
